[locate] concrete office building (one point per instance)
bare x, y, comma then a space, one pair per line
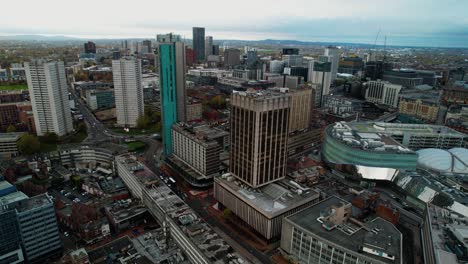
3, 74
334, 54
172, 86
9, 144
422, 105
293, 60
303, 141
276, 78
277, 66
301, 100
327, 232
194, 111
128, 91
48, 91
258, 158
17, 71
36, 225
320, 73
100, 98
207, 143
293, 82
208, 46
198, 37
10, 240
256, 190
381, 92
231, 57
263, 208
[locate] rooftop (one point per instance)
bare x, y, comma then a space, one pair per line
272, 199
432, 97
12, 197
122, 211
203, 134
365, 136
195, 228
7, 137
352, 234
400, 129
5, 185
33, 202
449, 235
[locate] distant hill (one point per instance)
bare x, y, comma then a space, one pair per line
38, 38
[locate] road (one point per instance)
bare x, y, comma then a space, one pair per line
97, 132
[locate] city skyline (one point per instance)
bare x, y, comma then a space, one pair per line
418, 23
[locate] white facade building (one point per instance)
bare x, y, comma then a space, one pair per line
334, 53
319, 74
381, 92
128, 91
49, 97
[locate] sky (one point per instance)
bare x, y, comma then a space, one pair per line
405, 22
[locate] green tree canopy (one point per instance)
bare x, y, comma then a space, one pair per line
143, 122
28, 144
50, 138
217, 102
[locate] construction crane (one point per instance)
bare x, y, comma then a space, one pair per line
373, 47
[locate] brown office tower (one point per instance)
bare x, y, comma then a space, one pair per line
259, 136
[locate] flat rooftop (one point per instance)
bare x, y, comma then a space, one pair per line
195, 228
120, 213
387, 238
12, 197
7, 137
33, 202
5, 185
400, 129
369, 139
272, 199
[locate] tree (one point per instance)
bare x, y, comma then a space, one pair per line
50, 138
158, 127
217, 102
28, 144
11, 129
143, 122
81, 127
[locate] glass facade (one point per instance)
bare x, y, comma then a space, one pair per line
9, 235
338, 152
168, 86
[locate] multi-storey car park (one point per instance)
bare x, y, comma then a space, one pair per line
377, 150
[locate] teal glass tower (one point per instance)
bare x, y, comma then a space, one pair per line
172, 87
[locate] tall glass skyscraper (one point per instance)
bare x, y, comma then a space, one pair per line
199, 43
172, 85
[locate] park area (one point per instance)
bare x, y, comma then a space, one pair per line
13, 87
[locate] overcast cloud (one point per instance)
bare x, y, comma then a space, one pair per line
444, 22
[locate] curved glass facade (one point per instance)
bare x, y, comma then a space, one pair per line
336, 151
